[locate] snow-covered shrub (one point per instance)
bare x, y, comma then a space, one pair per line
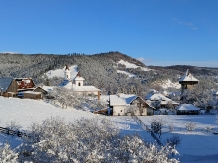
190, 126
133, 149
208, 128
7, 155
171, 127
13, 125
173, 141
88, 140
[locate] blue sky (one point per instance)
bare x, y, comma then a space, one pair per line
157, 32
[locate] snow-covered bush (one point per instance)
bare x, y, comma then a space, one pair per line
7, 155
190, 126
13, 125
208, 128
88, 140
173, 141
171, 127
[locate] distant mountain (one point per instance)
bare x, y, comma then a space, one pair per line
111, 71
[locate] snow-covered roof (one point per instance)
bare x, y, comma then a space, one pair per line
85, 88
5, 83
66, 84
216, 93
159, 97
105, 98
188, 77
187, 107
121, 99
47, 88
31, 92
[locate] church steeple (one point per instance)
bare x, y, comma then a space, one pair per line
79, 80
67, 72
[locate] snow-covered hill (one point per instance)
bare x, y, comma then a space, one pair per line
131, 65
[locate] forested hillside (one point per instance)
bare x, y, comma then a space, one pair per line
99, 70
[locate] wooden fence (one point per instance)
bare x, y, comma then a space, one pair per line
13, 132
145, 127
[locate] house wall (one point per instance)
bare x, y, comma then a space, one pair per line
32, 96
96, 93
13, 87
119, 110
150, 111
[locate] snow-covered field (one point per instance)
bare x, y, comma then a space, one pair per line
60, 72
131, 65
195, 146
127, 73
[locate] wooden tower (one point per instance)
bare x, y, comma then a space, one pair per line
187, 81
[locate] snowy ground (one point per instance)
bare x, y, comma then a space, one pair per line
131, 65
127, 73
196, 146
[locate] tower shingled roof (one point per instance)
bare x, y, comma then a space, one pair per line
67, 67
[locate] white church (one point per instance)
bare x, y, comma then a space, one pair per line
77, 84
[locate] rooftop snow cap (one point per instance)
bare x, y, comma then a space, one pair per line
67, 68
188, 77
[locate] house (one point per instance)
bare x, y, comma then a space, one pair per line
158, 100
123, 104
9, 87
187, 81
77, 84
187, 109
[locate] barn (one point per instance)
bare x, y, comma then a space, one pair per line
9, 87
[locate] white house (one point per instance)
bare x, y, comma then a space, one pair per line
77, 84
123, 104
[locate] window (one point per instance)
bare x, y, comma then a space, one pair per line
79, 84
121, 110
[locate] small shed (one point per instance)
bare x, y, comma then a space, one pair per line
187, 109
32, 95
